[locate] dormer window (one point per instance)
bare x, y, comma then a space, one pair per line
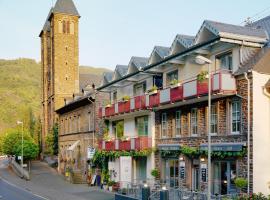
171, 76
224, 61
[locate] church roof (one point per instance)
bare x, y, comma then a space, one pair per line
65, 6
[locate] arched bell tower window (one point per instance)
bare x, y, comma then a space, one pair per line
64, 26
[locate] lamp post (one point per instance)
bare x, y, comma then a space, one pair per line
20, 122
202, 60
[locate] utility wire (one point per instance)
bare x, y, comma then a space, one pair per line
258, 15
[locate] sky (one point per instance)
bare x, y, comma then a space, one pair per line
111, 31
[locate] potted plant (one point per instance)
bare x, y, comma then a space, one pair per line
155, 173
125, 98
240, 183
110, 185
175, 83
107, 104
202, 76
153, 90
124, 138
106, 137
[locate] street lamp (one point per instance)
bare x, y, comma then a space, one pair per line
21, 123
202, 60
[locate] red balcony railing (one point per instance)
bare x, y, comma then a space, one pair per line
124, 145
109, 111
143, 142
124, 106
140, 102
127, 106
176, 94
222, 82
138, 143
154, 100
202, 87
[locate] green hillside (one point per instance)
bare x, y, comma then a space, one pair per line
20, 89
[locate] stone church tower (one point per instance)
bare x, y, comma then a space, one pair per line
59, 61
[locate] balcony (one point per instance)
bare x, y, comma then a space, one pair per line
223, 83
138, 143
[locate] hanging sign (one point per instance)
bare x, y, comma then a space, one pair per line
204, 172
182, 170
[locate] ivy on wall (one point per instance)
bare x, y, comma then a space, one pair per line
193, 152
101, 158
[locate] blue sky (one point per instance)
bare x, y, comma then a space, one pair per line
111, 31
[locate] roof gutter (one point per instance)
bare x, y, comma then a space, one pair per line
195, 47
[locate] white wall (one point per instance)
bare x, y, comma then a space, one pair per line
129, 127
261, 135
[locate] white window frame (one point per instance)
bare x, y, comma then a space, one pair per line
195, 122
178, 124
212, 116
164, 125
239, 112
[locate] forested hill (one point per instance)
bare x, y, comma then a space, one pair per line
20, 90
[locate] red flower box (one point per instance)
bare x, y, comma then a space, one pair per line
154, 100
176, 94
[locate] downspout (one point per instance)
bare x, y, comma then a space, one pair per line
94, 114
248, 132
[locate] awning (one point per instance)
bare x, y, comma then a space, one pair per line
233, 147
73, 146
169, 147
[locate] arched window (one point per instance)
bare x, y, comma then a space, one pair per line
64, 26
68, 27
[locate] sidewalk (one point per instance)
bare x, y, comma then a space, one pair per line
46, 182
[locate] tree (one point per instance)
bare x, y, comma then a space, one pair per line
12, 144
52, 141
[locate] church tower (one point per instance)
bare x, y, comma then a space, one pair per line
59, 61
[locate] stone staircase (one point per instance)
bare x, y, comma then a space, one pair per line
78, 178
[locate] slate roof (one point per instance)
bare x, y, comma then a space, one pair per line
88, 79
186, 40
262, 23
162, 51
46, 26
139, 62
108, 76
121, 69
236, 29
66, 6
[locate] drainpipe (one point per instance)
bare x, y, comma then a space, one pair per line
94, 114
248, 132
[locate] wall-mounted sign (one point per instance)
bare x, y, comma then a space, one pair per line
223, 147
182, 170
204, 172
90, 152
169, 147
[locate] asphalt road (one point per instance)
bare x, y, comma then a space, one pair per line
45, 182
12, 192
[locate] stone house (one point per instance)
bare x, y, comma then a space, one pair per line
167, 97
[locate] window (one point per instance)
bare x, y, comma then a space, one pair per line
194, 121
139, 89
158, 81
114, 97
213, 119
64, 26
68, 27
142, 125
178, 124
171, 77
118, 129
225, 61
164, 125
235, 107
